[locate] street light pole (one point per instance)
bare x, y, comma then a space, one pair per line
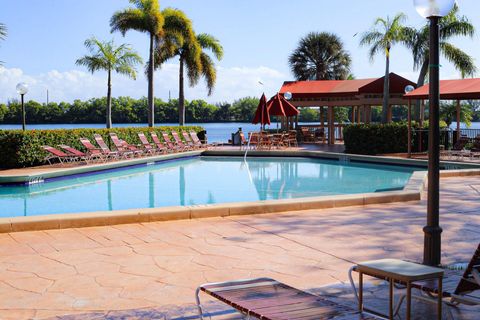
434, 10
433, 231
23, 112
22, 89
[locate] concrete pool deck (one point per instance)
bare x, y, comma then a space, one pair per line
90, 272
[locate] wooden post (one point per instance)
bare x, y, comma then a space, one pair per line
331, 126
353, 114
458, 119
358, 114
389, 113
422, 113
409, 116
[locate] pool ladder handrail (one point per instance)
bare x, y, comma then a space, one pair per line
248, 147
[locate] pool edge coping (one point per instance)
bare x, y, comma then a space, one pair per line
411, 192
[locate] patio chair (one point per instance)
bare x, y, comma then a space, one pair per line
147, 147
105, 149
160, 146
98, 151
307, 135
81, 155
123, 150
198, 142
456, 286
268, 299
179, 142
189, 141
243, 141
458, 149
55, 154
170, 144
292, 138
254, 138
132, 148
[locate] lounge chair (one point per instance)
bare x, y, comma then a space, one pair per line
55, 154
105, 149
160, 146
458, 149
198, 142
123, 151
179, 142
93, 150
81, 155
147, 147
170, 144
132, 148
457, 286
189, 141
307, 135
268, 299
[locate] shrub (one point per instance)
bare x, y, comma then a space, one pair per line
376, 138
24, 148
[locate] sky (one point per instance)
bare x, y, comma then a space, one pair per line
45, 38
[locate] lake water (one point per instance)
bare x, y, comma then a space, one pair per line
217, 132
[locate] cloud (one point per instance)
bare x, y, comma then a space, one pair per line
232, 83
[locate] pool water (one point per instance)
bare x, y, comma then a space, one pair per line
200, 180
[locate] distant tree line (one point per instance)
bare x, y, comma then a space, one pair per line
127, 110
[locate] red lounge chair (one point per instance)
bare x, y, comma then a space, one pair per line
132, 148
179, 142
267, 299
81, 155
55, 154
160, 146
189, 141
197, 140
122, 150
92, 150
169, 143
148, 148
105, 149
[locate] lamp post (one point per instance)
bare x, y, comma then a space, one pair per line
22, 89
434, 10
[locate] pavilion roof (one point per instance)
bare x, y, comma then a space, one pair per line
344, 88
460, 89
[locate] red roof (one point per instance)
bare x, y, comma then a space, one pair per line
344, 88
461, 89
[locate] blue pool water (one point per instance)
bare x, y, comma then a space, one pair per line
201, 180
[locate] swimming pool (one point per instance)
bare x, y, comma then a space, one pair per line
200, 180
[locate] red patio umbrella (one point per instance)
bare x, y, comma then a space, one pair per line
279, 106
261, 115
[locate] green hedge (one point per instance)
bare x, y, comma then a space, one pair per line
376, 138
20, 149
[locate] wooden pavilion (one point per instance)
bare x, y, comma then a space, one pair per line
456, 90
358, 94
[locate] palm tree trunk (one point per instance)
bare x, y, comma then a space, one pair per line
386, 90
181, 95
420, 83
109, 100
151, 102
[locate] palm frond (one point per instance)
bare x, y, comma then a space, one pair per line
209, 72
461, 60
3, 31
208, 41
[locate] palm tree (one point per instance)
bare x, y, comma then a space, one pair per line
417, 40
106, 56
384, 34
448, 113
320, 56
3, 35
189, 48
145, 17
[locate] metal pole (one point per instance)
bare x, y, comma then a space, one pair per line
409, 115
432, 243
23, 112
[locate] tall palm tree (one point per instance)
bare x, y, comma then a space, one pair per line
106, 56
191, 52
417, 40
384, 34
320, 56
3, 35
145, 17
